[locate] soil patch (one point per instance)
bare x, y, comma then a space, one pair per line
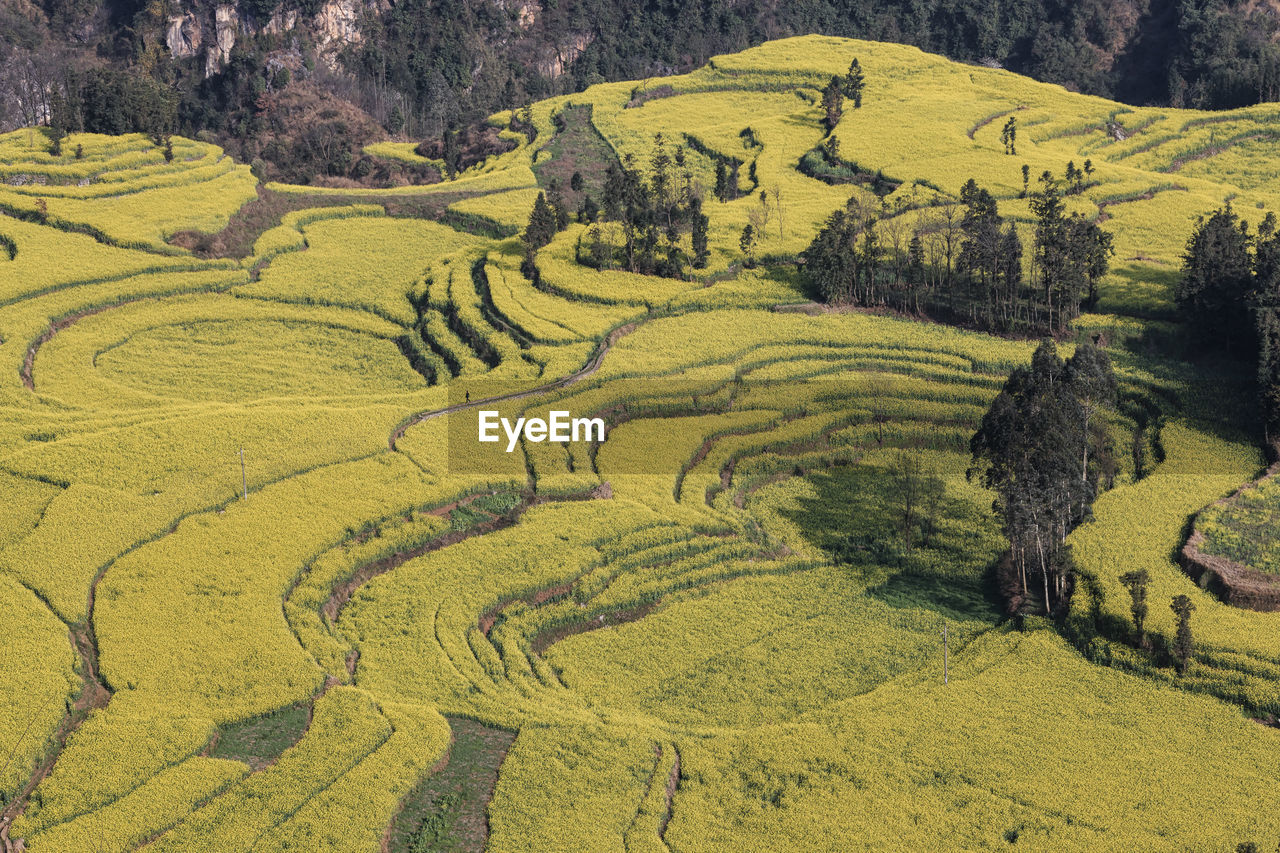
577, 148
673, 782
448, 809
268, 209
259, 741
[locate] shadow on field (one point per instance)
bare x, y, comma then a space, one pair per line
855, 518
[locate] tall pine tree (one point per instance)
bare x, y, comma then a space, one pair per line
1216, 277
854, 82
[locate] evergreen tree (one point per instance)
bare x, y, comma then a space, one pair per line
1073, 178
722, 181
829, 262
1026, 180
832, 104
1094, 384
1008, 280
869, 255
698, 238
660, 178
395, 119
542, 226
1090, 249
980, 249
58, 120
1071, 254
747, 243
1009, 136
1266, 307
1182, 641
916, 275
1028, 450
452, 154
440, 102
1136, 582
852, 85
1216, 277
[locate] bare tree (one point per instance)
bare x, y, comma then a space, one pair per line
949, 219
893, 227
777, 203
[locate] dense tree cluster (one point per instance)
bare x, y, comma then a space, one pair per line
642, 221
1204, 53
424, 66
102, 100
962, 259
1229, 294
1044, 449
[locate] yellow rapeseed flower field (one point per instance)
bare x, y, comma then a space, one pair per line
704, 631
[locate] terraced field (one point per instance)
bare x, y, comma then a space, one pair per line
243, 495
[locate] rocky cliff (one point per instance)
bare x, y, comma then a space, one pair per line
212, 31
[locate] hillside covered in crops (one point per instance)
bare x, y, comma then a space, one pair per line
263, 589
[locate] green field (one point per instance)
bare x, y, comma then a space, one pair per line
402, 636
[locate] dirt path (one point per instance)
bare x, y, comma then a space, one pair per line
673, 782
986, 121
29, 363
1146, 195
597, 358
342, 593
246, 225
93, 695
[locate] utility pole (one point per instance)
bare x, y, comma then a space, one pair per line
244, 480
944, 653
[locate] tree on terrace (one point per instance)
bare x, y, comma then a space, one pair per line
832, 104
1182, 641
854, 82
542, 226
1136, 582
1216, 278
1266, 307
1028, 450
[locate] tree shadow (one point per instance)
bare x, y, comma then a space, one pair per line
853, 518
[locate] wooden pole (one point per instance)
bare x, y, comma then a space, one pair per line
244, 480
